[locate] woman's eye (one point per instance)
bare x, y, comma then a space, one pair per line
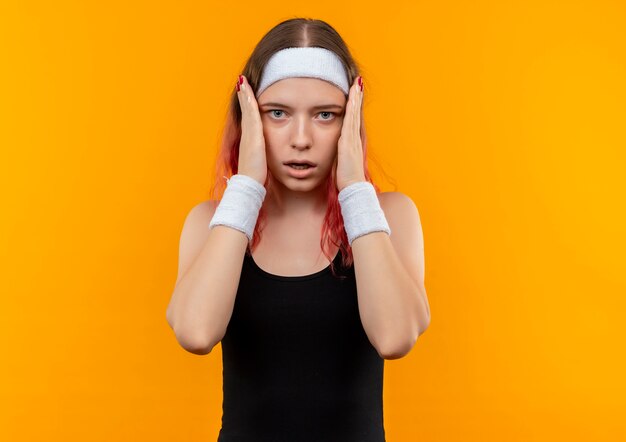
326, 116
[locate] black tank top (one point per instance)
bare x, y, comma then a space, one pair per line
297, 364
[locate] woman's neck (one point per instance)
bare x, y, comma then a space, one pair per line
283, 203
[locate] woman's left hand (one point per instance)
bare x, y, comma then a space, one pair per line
349, 160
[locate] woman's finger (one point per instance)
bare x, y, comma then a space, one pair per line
356, 107
247, 98
348, 119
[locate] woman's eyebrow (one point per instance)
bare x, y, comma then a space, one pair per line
323, 106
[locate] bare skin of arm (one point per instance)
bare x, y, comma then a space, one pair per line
211, 259
210, 262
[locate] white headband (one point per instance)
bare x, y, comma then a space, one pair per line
312, 62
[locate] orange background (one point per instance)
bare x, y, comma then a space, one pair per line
504, 122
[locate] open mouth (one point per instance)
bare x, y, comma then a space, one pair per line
299, 166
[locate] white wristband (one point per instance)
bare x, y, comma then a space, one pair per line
240, 205
361, 210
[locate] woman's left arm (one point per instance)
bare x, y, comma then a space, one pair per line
389, 271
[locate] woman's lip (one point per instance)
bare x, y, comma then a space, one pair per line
303, 173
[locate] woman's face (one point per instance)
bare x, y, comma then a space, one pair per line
302, 120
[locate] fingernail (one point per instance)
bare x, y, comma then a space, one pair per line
361, 83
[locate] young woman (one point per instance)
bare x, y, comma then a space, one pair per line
295, 269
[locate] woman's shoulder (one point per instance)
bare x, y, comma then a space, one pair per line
200, 215
389, 198
396, 204
204, 209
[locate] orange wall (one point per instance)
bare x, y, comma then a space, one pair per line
504, 121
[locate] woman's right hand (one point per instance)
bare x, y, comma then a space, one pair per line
252, 159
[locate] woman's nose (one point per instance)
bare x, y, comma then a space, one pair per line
301, 134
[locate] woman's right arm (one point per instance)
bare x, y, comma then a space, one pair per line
209, 268
211, 259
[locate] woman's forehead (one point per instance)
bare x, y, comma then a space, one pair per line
303, 91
